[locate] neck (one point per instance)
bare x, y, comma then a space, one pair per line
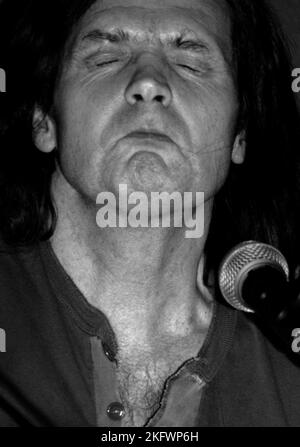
144, 280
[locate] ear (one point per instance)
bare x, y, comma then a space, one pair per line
44, 131
239, 148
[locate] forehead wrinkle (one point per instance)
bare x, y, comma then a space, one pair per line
208, 12
205, 22
119, 36
149, 35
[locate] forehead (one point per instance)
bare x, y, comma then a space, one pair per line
159, 18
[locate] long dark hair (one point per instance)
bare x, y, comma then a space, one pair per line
259, 199
33, 35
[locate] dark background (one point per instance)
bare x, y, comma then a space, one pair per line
289, 12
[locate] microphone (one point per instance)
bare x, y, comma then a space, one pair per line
254, 277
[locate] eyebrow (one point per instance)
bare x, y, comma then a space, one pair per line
120, 36
113, 37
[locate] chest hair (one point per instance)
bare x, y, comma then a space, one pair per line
142, 377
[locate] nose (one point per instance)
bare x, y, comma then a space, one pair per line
148, 86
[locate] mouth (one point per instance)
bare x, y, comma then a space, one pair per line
150, 135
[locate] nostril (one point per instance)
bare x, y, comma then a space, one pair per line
159, 98
138, 97
147, 91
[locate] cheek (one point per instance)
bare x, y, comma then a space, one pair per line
84, 111
79, 121
88, 109
213, 121
78, 152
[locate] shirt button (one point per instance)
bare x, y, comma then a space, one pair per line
108, 352
115, 411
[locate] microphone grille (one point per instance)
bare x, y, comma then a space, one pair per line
238, 262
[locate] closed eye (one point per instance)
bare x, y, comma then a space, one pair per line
188, 67
192, 46
101, 64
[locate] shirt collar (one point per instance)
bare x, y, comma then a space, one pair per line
94, 322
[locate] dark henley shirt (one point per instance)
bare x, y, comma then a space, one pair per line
58, 368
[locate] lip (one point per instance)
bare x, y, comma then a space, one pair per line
150, 135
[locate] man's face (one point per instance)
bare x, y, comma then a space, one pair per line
147, 98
